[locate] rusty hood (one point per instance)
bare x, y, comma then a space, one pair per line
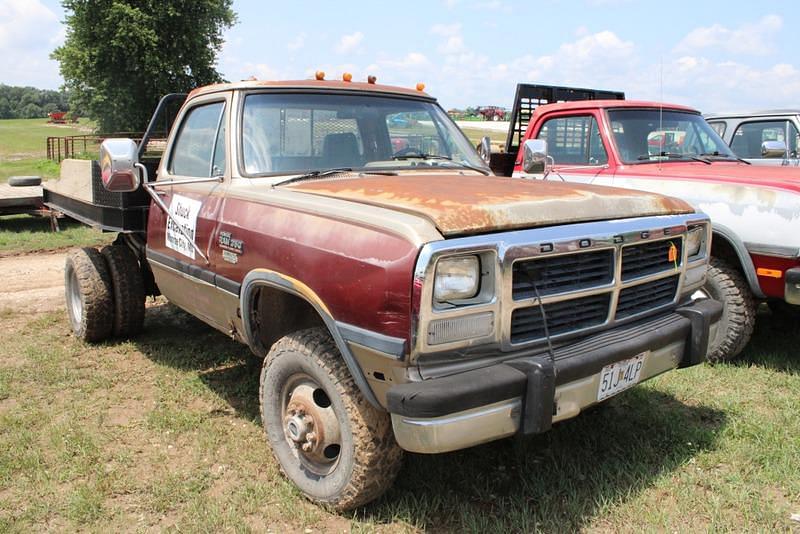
471, 204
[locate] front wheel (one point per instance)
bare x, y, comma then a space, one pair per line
726, 285
329, 441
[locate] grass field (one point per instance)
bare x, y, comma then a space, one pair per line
23, 146
163, 432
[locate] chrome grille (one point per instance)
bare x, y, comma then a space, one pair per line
649, 258
558, 273
639, 299
562, 317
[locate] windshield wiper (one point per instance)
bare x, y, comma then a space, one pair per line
423, 156
726, 156
313, 174
673, 155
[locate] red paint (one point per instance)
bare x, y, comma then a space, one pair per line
773, 287
363, 274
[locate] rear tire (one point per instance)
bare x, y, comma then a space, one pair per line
128, 290
87, 285
726, 285
329, 441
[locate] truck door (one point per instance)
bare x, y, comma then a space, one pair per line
179, 243
577, 148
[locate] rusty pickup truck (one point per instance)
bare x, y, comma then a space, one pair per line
597, 137
401, 297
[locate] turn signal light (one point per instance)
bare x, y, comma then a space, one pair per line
319, 75
771, 273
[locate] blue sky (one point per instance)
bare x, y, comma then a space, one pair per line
713, 55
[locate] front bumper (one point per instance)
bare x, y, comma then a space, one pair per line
527, 393
792, 291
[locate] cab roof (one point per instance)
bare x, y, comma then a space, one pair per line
313, 85
607, 104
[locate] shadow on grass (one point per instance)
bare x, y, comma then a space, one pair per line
175, 338
29, 223
775, 344
557, 481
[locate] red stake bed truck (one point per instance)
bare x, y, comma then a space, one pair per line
401, 298
598, 138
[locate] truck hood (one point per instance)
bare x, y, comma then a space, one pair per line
787, 178
467, 204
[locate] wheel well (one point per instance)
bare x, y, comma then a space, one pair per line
275, 313
723, 249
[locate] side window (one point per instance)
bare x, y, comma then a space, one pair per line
199, 149
748, 137
718, 127
574, 140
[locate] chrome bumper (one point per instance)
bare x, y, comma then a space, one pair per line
792, 290
502, 419
516, 397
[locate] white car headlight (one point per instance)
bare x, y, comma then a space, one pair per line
457, 278
694, 241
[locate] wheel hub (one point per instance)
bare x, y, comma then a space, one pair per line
311, 427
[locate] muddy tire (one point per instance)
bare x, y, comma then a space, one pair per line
88, 290
128, 290
725, 284
329, 441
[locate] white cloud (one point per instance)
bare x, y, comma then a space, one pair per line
446, 30
756, 38
349, 43
298, 42
29, 32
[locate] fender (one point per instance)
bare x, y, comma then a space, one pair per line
266, 277
744, 257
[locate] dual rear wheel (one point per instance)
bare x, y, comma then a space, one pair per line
104, 292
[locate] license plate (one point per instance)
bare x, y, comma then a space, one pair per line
620, 376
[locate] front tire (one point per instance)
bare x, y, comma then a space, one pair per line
726, 285
329, 441
88, 292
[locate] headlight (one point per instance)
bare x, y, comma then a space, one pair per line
694, 240
457, 278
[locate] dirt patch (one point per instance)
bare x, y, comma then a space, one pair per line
32, 283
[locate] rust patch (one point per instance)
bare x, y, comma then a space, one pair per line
459, 204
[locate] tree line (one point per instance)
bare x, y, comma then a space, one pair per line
30, 102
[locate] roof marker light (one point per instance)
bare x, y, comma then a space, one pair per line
319, 75
371, 79
347, 77
420, 86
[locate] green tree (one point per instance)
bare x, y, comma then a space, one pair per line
121, 56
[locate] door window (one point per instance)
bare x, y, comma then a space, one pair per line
574, 141
200, 146
748, 137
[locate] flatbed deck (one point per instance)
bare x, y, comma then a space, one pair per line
17, 198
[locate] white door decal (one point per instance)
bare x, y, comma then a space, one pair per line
183, 212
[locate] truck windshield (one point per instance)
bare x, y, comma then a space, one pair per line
649, 135
302, 133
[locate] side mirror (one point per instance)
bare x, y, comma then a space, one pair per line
485, 149
534, 156
118, 159
773, 149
